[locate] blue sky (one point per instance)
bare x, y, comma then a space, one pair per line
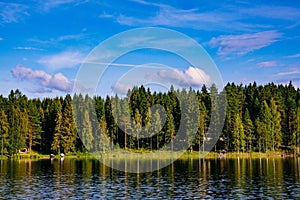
44, 42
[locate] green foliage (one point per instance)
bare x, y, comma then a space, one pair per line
276, 133
56, 145
258, 119
4, 126
248, 130
239, 142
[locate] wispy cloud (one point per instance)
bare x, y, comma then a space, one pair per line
67, 59
54, 41
1, 38
189, 77
150, 40
12, 12
28, 48
238, 16
290, 71
69, 37
39, 90
42, 79
121, 88
273, 12
294, 56
267, 64
46, 5
106, 15
191, 18
244, 43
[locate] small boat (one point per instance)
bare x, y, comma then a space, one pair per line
62, 155
52, 155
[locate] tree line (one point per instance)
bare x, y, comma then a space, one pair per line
258, 118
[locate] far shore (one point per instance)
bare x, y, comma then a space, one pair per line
159, 155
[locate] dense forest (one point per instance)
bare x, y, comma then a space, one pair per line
258, 118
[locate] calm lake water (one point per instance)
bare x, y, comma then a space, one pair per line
184, 179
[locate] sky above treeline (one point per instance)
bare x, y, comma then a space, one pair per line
44, 42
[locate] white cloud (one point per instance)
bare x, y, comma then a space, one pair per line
28, 48
267, 64
12, 12
294, 56
55, 3
135, 40
50, 4
245, 43
273, 12
162, 42
67, 59
43, 79
69, 37
291, 71
224, 17
121, 88
106, 15
191, 18
57, 40
60, 82
1, 38
190, 77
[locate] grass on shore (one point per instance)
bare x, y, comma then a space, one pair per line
142, 154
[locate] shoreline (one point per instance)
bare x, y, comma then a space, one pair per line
159, 155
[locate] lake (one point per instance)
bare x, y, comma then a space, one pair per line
185, 178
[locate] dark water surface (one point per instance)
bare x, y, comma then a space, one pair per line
184, 179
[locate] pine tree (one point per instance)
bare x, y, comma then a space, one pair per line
238, 135
260, 128
104, 142
170, 131
249, 130
110, 121
137, 126
296, 135
17, 120
155, 129
69, 134
56, 145
34, 127
202, 127
86, 134
275, 125
266, 126
125, 120
4, 126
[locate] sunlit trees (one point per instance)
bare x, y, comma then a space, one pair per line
4, 126
258, 118
68, 126
56, 145
17, 119
239, 142
137, 127
276, 133
34, 128
248, 130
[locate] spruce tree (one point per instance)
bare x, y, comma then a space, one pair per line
56, 145
4, 126
238, 134
69, 136
275, 120
137, 127
249, 130
34, 127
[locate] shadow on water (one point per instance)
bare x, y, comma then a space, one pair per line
185, 178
